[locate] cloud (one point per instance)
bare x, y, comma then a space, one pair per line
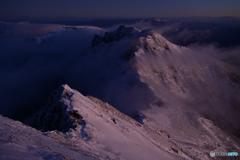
32, 71
228, 55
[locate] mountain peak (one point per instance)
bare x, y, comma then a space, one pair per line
146, 39
57, 115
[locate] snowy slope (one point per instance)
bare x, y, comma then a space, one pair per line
189, 85
99, 128
19, 141
99, 132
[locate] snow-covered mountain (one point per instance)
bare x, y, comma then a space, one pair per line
154, 100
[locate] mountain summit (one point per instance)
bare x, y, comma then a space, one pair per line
116, 35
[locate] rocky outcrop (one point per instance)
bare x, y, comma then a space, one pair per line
57, 115
116, 35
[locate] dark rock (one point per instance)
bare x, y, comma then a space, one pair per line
56, 115
139, 117
114, 121
116, 35
234, 77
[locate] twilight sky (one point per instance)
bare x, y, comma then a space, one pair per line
13, 9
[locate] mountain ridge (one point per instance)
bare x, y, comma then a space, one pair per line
102, 132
